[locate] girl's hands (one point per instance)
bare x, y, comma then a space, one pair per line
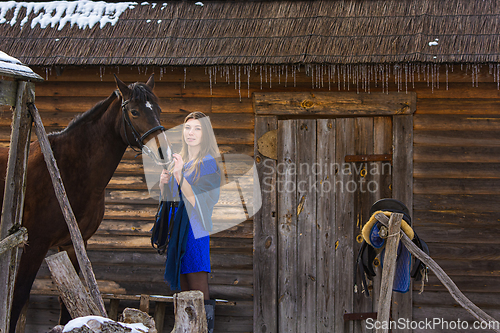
178, 165
164, 177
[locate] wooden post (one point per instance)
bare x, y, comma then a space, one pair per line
189, 312
14, 240
76, 236
71, 289
13, 202
391, 249
442, 276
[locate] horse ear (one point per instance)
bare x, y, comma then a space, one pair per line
124, 90
151, 81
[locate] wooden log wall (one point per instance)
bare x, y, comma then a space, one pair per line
456, 184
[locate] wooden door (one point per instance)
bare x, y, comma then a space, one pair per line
325, 188
317, 192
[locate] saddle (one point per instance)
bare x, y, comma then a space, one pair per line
374, 243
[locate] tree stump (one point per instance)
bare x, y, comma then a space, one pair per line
189, 312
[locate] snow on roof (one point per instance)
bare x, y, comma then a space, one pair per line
83, 13
10, 66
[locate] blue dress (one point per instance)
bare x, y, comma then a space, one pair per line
189, 244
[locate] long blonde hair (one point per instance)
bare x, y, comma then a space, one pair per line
208, 143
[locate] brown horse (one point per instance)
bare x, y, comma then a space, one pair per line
87, 153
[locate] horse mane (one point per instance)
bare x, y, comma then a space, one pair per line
139, 91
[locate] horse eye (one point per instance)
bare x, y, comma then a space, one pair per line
135, 113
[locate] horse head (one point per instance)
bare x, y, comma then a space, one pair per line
140, 117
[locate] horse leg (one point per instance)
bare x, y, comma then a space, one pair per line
64, 315
30, 262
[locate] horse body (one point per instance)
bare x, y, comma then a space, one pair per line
87, 152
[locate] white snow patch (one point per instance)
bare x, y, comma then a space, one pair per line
11, 63
199, 3
82, 321
434, 43
83, 13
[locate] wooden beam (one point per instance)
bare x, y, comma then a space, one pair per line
333, 103
76, 236
71, 289
17, 238
13, 199
8, 90
265, 238
442, 276
391, 252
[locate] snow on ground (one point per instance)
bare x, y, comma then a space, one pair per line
82, 321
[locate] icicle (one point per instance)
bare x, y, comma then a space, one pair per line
387, 79
260, 77
271, 76
446, 76
185, 73
239, 81
498, 76
46, 73
248, 81
344, 76
286, 76
210, 78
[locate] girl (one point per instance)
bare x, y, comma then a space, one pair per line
194, 182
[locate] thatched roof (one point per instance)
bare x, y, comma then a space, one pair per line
184, 33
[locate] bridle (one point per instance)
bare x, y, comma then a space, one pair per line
139, 139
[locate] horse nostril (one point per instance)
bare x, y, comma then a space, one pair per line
160, 153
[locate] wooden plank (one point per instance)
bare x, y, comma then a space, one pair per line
18, 238
8, 91
402, 190
265, 238
459, 90
287, 226
363, 198
456, 186
71, 289
460, 154
473, 106
96, 88
344, 231
437, 298
456, 138
452, 251
382, 141
338, 104
307, 188
457, 122
454, 219
13, 198
457, 203
326, 207
465, 235
76, 236
391, 248
456, 170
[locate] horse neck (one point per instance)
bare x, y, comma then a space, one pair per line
92, 149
